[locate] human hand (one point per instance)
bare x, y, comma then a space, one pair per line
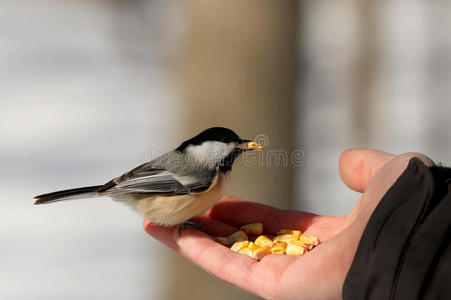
320, 273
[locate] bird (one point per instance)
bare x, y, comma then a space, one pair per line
176, 186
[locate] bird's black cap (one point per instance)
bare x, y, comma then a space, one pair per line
219, 134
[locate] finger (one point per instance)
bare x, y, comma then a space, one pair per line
165, 234
234, 268
216, 227
387, 176
238, 212
161, 233
357, 166
380, 183
237, 269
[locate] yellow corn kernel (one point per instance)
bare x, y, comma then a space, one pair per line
238, 236
263, 241
254, 146
237, 246
285, 238
259, 253
252, 246
307, 246
295, 249
253, 228
289, 231
279, 248
246, 251
308, 239
225, 241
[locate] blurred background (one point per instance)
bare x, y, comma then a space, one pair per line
90, 89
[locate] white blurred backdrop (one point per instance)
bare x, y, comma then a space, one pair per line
81, 100
373, 74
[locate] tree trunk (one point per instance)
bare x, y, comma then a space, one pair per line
238, 70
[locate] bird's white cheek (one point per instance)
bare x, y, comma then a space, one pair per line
210, 153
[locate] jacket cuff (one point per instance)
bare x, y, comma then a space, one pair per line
404, 250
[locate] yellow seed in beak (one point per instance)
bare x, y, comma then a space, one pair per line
254, 146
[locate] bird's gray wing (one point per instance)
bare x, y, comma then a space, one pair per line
148, 179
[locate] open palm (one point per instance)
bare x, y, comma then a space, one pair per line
317, 275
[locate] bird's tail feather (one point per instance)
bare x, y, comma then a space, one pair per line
78, 193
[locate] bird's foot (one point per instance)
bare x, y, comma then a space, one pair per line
193, 224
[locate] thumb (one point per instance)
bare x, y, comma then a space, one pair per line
357, 166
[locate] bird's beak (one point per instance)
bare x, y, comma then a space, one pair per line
249, 145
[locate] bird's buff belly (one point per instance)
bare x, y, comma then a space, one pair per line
172, 210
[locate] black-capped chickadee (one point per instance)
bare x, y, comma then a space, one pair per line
175, 186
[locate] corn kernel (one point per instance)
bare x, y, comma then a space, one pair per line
305, 245
289, 231
259, 253
295, 249
252, 246
285, 238
263, 241
246, 251
288, 241
279, 248
237, 246
225, 241
253, 228
308, 239
254, 146
238, 236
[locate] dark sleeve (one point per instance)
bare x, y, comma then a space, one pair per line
404, 252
